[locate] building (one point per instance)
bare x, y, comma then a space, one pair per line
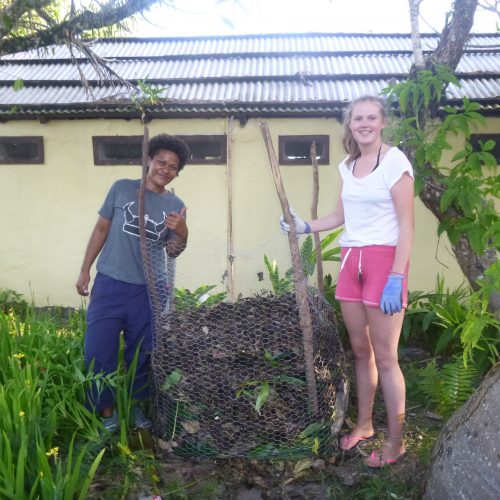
63, 143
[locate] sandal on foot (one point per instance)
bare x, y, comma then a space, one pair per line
348, 442
377, 461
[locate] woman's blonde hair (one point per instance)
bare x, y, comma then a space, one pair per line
350, 145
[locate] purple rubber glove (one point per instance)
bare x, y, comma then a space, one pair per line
392, 296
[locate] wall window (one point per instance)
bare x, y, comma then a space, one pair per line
117, 150
206, 149
296, 149
127, 150
21, 150
475, 138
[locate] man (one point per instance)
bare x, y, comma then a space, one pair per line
119, 301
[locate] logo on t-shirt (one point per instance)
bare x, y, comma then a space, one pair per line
153, 229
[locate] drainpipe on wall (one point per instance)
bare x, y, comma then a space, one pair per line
229, 183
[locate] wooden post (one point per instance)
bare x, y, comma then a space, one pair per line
230, 242
300, 282
314, 215
146, 262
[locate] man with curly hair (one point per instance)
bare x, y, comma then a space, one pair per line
119, 301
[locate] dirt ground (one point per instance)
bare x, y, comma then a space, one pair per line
341, 475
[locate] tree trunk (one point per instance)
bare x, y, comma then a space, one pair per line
472, 265
466, 458
416, 42
448, 52
455, 34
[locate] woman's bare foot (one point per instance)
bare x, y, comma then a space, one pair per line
392, 450
355, 437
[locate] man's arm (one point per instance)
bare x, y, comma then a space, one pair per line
177, 223
94, 246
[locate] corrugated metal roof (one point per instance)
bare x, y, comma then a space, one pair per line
280, 74
254, 67
242, 92
285, 44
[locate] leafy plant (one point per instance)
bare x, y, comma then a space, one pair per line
185, 299
314, 439
11, 301
457, 322
463, 189
282, 285
44, 420
446, 388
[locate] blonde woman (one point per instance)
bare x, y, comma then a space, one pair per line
375, 206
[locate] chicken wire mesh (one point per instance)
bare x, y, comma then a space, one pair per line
229, 376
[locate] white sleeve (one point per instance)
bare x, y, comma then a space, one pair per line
398, 164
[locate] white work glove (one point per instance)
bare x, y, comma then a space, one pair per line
301, 226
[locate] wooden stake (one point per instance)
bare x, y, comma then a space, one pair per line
230, 242
146, 262
300, 281
314, 215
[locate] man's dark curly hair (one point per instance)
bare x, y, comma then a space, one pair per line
169, 143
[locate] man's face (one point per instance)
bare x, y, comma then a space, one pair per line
163, 168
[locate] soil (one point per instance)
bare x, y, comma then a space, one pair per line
230, 380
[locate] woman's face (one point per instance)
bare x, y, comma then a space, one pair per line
367, 123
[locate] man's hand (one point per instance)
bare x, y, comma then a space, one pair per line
82, 284
177, 223
301, 226
391, 301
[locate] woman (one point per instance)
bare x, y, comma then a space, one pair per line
376, 207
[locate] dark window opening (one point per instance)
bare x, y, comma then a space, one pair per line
476, 138
117, 150
296, 149
127, 150
206, 149
27, 150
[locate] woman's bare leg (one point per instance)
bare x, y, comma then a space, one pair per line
356, 321
384, 332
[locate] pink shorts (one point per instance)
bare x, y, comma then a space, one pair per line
364, 272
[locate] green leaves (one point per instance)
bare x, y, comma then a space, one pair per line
172, 379
308, 260
255, 390
185, 299
262, 396
447, 387
18, 85
44, 419
469, 179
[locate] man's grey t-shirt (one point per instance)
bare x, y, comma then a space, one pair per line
120, 257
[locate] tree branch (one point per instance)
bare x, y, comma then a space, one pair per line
110, 14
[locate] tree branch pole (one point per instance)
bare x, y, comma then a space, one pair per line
146, 262
314, 215
300, 282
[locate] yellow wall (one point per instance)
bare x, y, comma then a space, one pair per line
49, 210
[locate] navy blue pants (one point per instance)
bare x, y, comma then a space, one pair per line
115, 307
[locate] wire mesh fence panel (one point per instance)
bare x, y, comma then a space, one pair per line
229, 376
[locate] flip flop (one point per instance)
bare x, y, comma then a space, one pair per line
376, 461
348, 442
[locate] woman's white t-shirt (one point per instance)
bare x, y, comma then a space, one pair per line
369, 212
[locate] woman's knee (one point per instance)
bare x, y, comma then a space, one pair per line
387, 363
362, 353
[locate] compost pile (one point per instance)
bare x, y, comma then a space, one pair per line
230, 379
